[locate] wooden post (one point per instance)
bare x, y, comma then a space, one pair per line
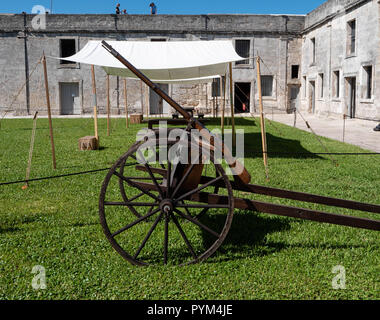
232, 109
108, 105
95, 104
146, 96
262, 120
206, 97
142, 97
344, 126
49, 111
213, 107
224, 104
126, 102
30, 151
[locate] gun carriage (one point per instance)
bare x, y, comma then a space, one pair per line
190, 205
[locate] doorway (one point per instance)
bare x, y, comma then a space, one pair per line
312, 97
294, 91
157, 106
242, 97
351, 96
69, 98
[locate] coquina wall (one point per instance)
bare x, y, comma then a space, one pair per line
275, 38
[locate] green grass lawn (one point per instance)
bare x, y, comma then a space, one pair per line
55, 223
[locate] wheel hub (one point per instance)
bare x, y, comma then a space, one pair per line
166, 206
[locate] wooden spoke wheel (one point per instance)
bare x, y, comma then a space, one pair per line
150, 217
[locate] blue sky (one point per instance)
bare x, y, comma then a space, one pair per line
166, 6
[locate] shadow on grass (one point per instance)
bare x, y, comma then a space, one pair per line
278, 246
246, 235
227, 122
9, 230
277, 147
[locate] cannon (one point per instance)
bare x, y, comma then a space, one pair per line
155, 209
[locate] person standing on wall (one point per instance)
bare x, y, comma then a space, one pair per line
153, 8
118, 8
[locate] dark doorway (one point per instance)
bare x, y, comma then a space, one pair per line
242, 97
351, 96
69, 98
293, 98
312, 97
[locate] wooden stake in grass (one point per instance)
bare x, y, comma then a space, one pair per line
262, 119
126, 102
224, 104
108, 105
146, 96
95, 104
142, 97
344, 126
232, 109
49, 111
30, 151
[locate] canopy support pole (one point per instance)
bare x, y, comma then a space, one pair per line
95, 104
262, 119
108, 105
141, 97
146, 97
126, 102
224, 103
232, 109
49, 111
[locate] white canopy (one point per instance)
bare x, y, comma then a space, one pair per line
163, 62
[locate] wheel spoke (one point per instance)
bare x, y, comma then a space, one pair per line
136, 185
144, 178
166, 239
199, 188
184, 237
201, 225
136, 197
131, 207
203, 206
183, 180
129, 203
148, 236
135, 222
201, 214
123, 165
152, 176
168, 179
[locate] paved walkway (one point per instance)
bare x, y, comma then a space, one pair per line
357, 132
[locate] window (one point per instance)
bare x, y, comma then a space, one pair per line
351, 37
158, 40
295, 71
321, 84
67, 49
313, 50
336, 86
242, 48
267, 86
367, 82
